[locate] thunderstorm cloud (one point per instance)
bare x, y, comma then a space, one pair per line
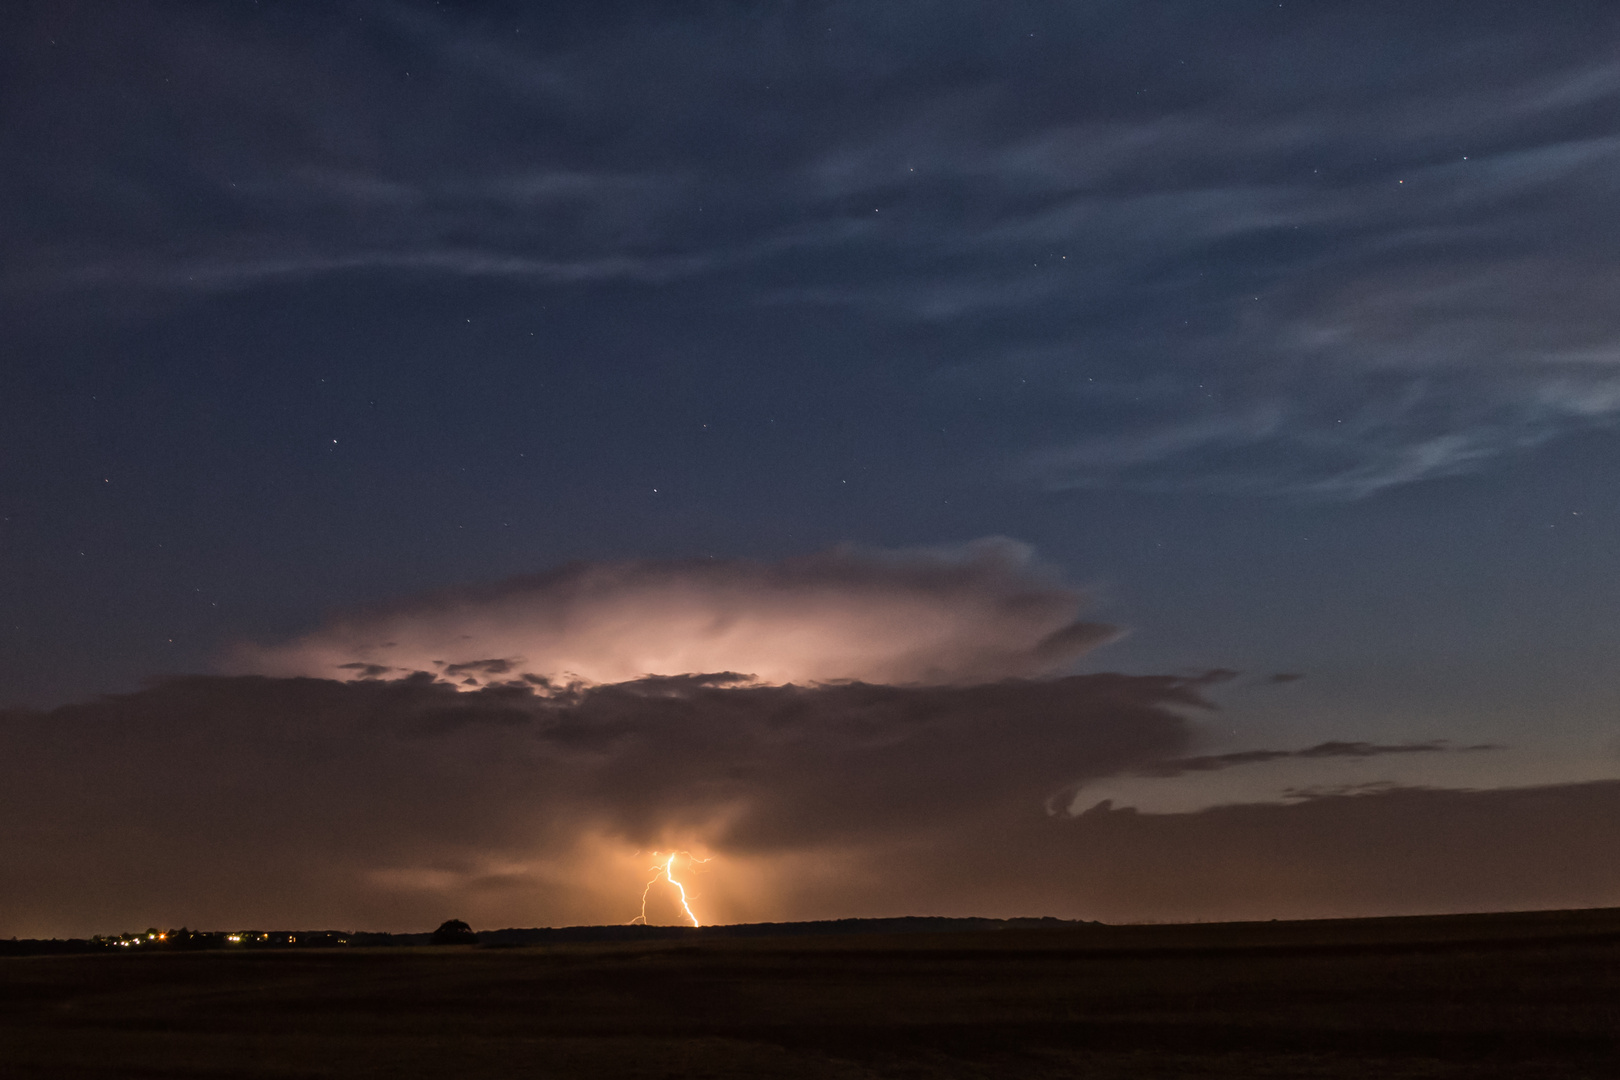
222, 800
248, 800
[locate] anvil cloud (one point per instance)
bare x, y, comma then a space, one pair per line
974, 614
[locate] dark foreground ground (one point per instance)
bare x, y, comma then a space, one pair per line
1520, 996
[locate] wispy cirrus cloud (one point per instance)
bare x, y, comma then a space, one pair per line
1400, 267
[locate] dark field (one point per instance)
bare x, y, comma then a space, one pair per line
1522, 996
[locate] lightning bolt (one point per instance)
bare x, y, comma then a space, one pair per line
666, 871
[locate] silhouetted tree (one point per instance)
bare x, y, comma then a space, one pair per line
454, 932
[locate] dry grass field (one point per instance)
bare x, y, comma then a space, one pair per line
1512, 996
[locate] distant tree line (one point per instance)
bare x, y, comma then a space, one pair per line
456, 932
184, 939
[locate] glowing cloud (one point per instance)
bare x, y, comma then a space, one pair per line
981, 612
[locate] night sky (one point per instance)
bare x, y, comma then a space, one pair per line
1124, 461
